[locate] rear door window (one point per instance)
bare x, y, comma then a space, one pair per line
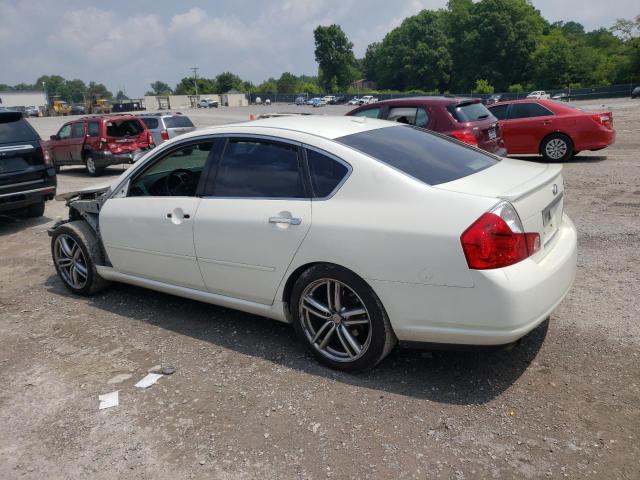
77, 130
93, 129
14, 128
528, 110
326, 173
469, 112
409, 115
499, 111
428, 157
179, 121
259, 169
369, 113
124, 128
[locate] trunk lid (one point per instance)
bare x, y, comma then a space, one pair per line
535, 190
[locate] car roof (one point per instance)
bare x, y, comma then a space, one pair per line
325, 126
427, 100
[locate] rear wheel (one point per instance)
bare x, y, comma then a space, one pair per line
340, 318
556, 148
92, 169
76, 252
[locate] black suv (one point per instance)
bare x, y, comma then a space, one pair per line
27, 176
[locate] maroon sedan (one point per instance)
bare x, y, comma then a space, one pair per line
465, 119
552, 129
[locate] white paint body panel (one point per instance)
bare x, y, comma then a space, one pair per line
240, 253
400, 235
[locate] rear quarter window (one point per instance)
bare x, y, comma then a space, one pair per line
469, 112
178, 121
426, 156
14, 128
151, 123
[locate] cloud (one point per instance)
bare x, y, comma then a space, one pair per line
129, 44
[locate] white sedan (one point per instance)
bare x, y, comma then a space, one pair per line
359, 232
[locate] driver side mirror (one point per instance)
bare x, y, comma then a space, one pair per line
54, 137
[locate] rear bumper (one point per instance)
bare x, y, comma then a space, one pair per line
104, 159
601, 139
502, 306
16, 200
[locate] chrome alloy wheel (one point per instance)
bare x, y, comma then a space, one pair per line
91, 166
335, 320
70, 261
556, 148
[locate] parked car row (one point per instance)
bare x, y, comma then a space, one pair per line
537, 126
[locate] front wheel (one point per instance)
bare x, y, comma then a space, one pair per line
76, 252
556, 148
340, 318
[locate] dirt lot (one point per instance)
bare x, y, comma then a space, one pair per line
247, 401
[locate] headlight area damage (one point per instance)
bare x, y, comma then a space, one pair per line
84, 205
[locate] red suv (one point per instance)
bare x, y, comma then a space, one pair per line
465, 119
98, 142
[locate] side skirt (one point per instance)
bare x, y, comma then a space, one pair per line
275, 311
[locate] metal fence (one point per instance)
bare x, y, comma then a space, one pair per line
610, 91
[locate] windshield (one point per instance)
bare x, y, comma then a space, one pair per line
428, 157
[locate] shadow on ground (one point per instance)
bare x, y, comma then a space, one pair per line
453, 377
12, 224
80, 171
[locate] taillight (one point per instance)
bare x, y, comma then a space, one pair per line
46, 155
465, 136
605, 119
164, 135
149, 137
497, 239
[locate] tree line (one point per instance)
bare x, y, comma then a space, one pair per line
482, 46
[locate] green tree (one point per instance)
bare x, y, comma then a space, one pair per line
268, 86
227, 81
288, 83
98, 90
77, 90
414, 55
482, 86
120, 96
334, 54
515, 88
160, 88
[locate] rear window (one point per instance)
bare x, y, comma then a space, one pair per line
14, 128
178, 121
124, 128
428, 157
469, 112
151, 123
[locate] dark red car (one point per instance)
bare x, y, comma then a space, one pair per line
552, 129
98, 142
465, 119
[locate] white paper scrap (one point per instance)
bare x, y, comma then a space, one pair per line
108, 400
149, 380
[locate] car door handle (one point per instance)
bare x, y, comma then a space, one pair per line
290, 221
546, 122
186, 215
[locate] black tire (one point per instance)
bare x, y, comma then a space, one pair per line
56, 168
381, 339
556, 148
91, 167
576, 153
35, 210
86, 239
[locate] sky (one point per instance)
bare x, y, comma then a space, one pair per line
127, 44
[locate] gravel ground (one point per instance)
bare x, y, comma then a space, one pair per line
247, 401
